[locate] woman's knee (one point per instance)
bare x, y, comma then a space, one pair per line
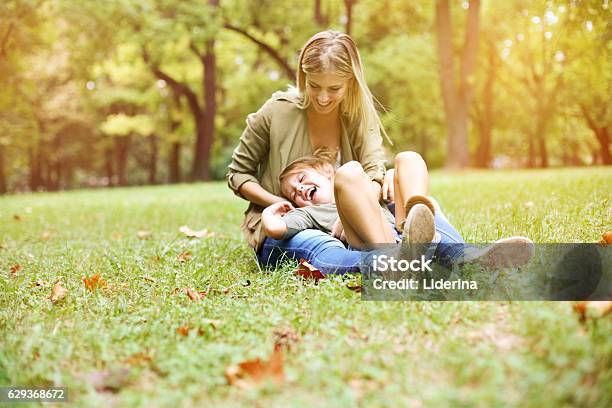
409, 157
348, 174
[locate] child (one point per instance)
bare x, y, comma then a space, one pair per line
322, 197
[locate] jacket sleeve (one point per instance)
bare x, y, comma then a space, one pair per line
252, 149
371, 155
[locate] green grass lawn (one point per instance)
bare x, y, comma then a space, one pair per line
344, 352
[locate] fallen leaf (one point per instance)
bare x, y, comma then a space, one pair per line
308, 271
189, 233
148, 278
606, 238
184, 256
593, 309
17, 217
46, 235
144, 234
138, 359
193, 295
94, 282
183, 331
58, 292
116, 236
14, 269
251, 374
111, 380
212, 322
2, 246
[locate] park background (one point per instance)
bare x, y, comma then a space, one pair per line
129, 92
149, 296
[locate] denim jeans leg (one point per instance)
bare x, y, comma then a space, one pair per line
324, 252
451, 245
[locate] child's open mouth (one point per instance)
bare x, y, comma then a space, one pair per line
311, 193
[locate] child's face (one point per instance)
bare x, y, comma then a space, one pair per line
309, 187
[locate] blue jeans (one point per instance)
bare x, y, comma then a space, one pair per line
330, 256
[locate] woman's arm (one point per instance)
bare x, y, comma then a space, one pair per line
256, 194
252, 149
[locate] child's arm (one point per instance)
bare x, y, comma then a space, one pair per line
272, 219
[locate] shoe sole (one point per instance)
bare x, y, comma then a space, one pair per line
505, 253
419, 232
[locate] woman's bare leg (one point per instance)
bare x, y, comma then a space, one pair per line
359, 209
411, 179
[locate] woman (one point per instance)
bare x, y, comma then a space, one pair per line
331, 107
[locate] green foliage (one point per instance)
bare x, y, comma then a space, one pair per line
82, 63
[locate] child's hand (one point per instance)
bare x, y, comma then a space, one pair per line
279, 209
388, 190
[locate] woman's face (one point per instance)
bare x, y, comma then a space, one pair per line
326, 91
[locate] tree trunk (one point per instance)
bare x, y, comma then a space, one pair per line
531, 160
206, 124
175, 163
483, 153
122, 145
456, 98
108, 165
3, 185
348, 5
153, 155
319, 18
602, 135
604, 143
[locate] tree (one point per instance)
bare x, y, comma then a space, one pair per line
457, 92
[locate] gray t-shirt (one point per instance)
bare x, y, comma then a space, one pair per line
321, 217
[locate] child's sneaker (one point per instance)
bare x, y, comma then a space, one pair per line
419, 231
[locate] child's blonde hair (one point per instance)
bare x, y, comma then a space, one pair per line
332, 51
321, 160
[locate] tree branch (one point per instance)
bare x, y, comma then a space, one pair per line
178, 87
286, 68
5, 39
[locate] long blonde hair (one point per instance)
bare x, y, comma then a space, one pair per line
332, 51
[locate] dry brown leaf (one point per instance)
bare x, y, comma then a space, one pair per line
116, 236
144, 234
212, 322
251, 374
46, 235
184, 256
58, 292
307, 271
183, 331
189, 233
148, 278
193, 295
593, 309
15, 269
94, 282
606, 238
17, 217
138, 359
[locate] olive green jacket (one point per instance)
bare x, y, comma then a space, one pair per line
276, 135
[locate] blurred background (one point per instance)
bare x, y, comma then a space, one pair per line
131, 92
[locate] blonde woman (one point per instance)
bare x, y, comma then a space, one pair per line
332, 107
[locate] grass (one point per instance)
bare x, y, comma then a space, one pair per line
347, 352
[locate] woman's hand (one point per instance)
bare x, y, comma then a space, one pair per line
337, 230
388, 187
